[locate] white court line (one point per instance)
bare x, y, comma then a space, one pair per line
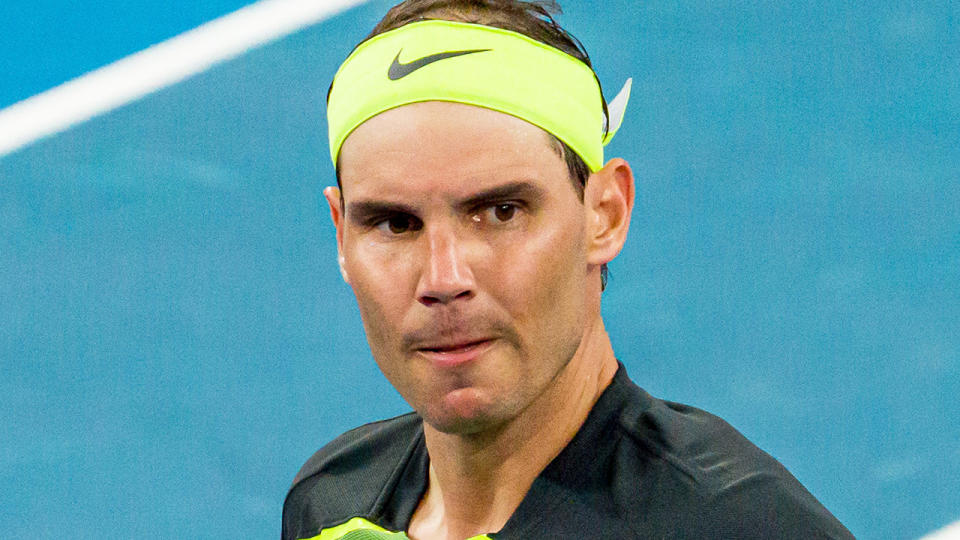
950, 532
157, 67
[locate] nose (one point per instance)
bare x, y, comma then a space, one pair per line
446, 274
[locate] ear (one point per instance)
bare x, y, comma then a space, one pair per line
608, 198
332, 195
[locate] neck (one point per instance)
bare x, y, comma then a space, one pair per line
477, 481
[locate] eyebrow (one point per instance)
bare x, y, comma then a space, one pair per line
511, 190
363, 210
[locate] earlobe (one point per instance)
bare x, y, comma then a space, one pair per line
609, 199
343, 271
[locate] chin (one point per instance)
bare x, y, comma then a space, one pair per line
462, 426
463, 417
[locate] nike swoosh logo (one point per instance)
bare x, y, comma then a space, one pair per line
398, 71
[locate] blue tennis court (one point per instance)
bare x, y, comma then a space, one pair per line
175, 337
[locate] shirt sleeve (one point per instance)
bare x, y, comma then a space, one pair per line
764, 505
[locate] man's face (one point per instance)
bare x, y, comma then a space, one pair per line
463, 240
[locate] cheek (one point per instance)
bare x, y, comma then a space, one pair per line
379, 282
542, 277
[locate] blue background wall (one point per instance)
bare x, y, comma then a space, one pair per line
175, 339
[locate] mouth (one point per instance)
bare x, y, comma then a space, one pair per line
455, 354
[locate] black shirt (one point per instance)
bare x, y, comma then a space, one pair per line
639, 467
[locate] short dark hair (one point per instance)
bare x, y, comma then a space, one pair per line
533, 18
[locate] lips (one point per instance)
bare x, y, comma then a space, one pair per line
457, 353
454, 347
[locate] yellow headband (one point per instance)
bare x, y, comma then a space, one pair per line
477, 65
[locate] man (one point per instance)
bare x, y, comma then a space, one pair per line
475, 216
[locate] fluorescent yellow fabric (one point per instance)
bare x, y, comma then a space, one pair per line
358, 523
476, 65
354, 524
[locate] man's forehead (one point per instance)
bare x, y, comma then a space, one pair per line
448, 187
445, 145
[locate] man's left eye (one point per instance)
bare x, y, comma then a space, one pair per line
502, 213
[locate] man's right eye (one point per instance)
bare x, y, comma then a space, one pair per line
399, 224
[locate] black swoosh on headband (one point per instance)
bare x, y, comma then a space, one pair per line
398, 71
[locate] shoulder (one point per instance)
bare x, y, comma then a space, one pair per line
709, 470
691, 442
345, 478
362, 447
